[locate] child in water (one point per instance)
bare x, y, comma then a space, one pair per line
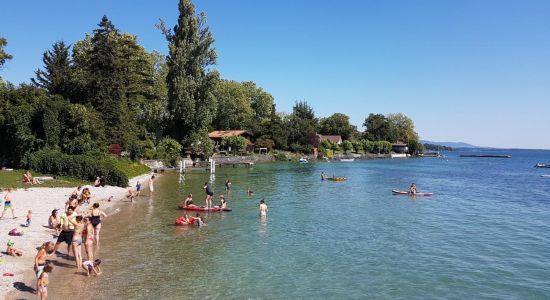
263, 208
43, 281
92, 266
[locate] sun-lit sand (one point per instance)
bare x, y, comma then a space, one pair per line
42, 201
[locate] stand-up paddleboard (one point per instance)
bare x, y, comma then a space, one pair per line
202, 208
396, 192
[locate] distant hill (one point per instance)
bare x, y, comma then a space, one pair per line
453, 145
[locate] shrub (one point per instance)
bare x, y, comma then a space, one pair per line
348, 147
281, 156
84, 167
169, 150
265, 143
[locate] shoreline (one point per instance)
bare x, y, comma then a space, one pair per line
42, 201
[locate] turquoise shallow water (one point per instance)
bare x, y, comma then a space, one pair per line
485, 234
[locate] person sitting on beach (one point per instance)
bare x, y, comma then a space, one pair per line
223, 204
86, 195
29, 179
263, 208
40, 258
53, 222
97, 181
102, 182
189, 200
412, 189
43, 281
29, 219
72, 202
12, 250
92, 266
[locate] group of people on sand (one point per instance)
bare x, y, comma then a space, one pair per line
29, 179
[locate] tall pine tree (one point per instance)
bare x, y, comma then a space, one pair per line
56, 76
191, 104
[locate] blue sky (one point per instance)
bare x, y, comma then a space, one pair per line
471, 71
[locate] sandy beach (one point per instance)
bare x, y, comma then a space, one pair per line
42, 201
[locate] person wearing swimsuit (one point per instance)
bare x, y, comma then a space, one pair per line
40, 258
89, 244
208, 189
77, 240
8, 204
95, 219
42, 283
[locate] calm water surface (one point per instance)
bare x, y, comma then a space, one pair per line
485, 234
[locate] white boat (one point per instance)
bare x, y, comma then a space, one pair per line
541, 165
303, 160
545, 176
347, 159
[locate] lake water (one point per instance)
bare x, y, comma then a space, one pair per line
484, 234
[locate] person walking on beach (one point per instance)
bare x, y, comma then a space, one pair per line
263, 209
151, 187
53, 222
67, 230
208, 189
138, 188
42, 283
95, 215
8, 203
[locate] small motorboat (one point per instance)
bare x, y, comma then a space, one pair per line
541, 165
303, 160
545, 176
347, 159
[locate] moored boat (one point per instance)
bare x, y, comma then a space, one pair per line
303, 160
541, 165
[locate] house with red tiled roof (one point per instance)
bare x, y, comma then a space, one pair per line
335, 139
218, 135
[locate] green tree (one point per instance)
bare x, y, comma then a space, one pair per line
234, 110
237, 143
83, 130
3, 55
302, 122
265, 143
56, 76
347, 146
377, 127
401, 128
260, 101
337, 124
169, 150
191, 103
154, 114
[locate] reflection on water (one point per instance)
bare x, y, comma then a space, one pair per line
480, 236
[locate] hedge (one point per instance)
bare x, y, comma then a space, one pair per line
84, 167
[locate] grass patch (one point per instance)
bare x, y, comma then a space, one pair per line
130, 168
14, 179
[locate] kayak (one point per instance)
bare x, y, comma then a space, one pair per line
202, 208
180, 222
337, 178
396, 192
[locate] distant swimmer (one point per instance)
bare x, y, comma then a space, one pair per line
249, 192
323, 176
412, 189
227, 185
263, 208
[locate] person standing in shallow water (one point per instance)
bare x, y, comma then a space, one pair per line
208, 189
151, 187
263, 208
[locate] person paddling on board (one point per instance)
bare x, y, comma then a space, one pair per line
208, 189
412, 189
